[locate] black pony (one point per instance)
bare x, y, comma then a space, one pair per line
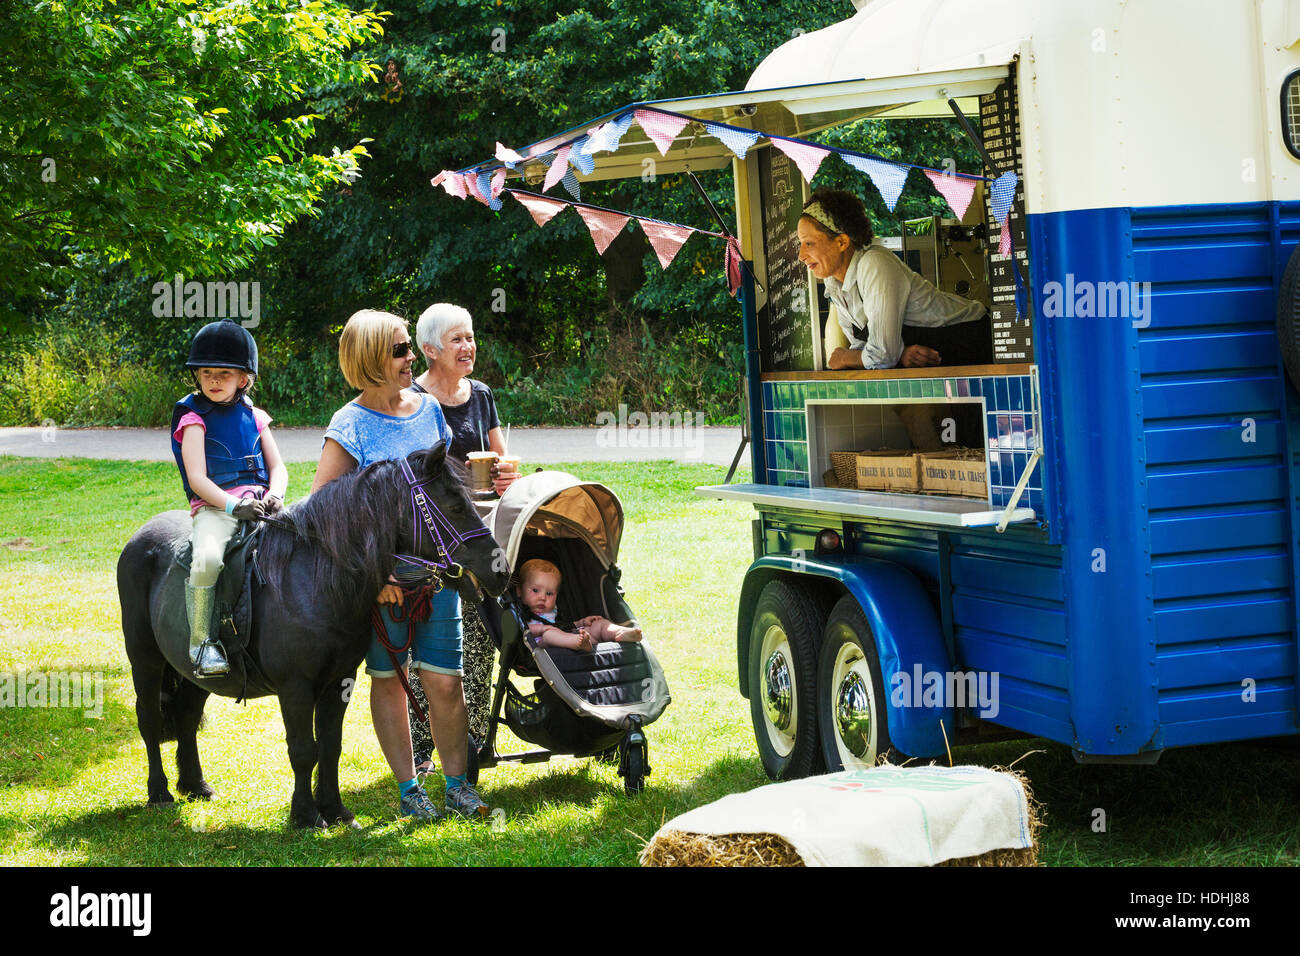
324, 567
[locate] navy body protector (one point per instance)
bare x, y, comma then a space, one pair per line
231, 445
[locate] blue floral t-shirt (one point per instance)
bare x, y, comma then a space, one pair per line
370, 436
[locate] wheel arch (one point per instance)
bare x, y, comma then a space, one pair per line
903, 622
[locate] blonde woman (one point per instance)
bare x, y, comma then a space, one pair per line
385, 422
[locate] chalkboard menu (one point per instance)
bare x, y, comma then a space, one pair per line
785, 333
1013, 339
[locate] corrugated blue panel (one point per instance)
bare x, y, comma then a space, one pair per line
1213, 486
1224, 701
1175, 578
1203, 665
1252, 529
1200, 353
1208, 442
1197, 305
1173, 224
1043, 624
1205, 260
1258, 724
1210, 395
1217, 490
995, 576
1182, 624
1024, 660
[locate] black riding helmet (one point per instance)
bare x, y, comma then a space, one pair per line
224, 344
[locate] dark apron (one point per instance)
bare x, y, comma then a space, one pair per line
969, 343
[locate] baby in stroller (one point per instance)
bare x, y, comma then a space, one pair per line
539, 586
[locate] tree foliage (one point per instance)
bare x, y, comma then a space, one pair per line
170, 133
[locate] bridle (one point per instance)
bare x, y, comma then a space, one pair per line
427, 518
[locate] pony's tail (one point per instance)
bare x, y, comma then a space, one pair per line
171, 683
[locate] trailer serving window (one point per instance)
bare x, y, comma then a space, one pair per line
945, 445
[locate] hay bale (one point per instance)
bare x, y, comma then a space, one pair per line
681, 848
676, 848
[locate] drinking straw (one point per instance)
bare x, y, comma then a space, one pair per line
507, 439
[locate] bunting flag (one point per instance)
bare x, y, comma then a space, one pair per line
607, 137
1004, 243
472, 187
733, 265
662, 128
736, 140
806, 156
1001, 194
571, 183
584, 161
603, 225
889, 178
666, 238
559, 166
452, 183
508, 156
542, 208
956, 190
483, 190
498, 181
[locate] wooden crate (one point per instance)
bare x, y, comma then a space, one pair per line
959, 472
888, 469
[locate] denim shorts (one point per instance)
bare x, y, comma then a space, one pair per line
437, 644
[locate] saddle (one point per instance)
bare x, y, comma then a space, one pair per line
233, 614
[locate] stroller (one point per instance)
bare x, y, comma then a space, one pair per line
584, 703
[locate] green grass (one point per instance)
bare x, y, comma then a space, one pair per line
72, 787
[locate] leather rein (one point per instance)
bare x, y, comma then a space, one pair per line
417, 598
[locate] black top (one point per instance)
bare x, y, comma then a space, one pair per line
470, 422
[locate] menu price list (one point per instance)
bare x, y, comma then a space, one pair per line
1000, 127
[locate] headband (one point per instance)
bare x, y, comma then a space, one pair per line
818, 212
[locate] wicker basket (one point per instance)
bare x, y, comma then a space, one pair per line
845, 464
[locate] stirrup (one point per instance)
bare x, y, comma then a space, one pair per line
209, 660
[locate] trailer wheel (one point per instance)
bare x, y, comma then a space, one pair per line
851, 693
782, 679
1288, 318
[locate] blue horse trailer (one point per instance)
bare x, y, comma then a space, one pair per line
1121, 576
1129, 584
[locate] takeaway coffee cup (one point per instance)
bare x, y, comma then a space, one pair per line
508, 463
480, 469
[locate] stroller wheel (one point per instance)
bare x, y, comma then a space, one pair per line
634, 763
634, 781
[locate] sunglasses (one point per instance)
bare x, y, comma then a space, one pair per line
402, 350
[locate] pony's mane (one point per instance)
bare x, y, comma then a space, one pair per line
348, 529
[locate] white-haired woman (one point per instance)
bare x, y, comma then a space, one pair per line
445, 334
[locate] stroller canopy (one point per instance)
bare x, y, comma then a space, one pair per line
558, 505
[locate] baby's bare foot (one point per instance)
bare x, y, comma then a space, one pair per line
628, 634
585, 643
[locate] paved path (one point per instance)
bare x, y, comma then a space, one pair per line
542, 446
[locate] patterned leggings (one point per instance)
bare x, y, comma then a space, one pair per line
479, 655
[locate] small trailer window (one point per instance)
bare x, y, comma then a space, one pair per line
1291, 112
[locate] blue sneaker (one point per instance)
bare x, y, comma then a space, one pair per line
465, 801
416, 803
